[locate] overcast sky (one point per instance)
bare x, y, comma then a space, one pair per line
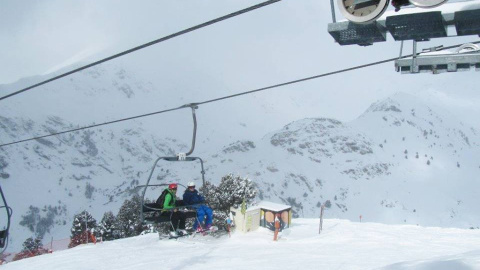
285, 41
38, 37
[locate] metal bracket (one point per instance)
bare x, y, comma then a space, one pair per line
432, 49
181, 156
462, 59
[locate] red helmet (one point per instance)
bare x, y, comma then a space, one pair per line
172, 186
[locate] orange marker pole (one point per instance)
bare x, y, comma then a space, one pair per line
277, 228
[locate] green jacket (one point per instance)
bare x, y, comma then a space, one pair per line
170, 200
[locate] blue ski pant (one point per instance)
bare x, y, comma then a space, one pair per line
203, 211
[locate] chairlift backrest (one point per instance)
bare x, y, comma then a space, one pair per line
3, 238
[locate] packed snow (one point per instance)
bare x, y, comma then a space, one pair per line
341, 245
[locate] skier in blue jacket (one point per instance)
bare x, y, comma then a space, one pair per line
191, 197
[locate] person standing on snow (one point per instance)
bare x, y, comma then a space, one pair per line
177, 218
191, 197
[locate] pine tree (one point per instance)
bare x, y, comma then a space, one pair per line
107, 227
232, 191
32, 244
31, 247
209, 192
82, 228
328, 204
128, 217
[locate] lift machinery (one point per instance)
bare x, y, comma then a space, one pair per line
368, 22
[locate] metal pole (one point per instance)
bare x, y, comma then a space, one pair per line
401, 50
86, 227
414, 58
333, 11
203, 172
320, 227
194, 129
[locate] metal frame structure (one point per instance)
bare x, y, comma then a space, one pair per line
4, 233
421, 26
439, 63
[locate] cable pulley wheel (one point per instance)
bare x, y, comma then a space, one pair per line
362, 11
427, 3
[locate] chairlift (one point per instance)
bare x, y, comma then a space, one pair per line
433, 61
4, 232
150, 212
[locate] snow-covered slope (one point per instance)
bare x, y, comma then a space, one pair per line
341, 245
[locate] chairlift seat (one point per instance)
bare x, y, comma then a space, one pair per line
152, 212
158, 215
467, 22
439, 63
418, 26
3, 238
348, 33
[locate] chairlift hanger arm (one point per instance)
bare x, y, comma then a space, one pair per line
194, 116
193, 106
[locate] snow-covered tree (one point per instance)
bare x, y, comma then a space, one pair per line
232, 191
32, 244
107, 228
84, 225
128, 217
31, 247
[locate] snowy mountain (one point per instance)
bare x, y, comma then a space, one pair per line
341, 245
403, 160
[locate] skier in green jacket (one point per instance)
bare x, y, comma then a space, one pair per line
177, 217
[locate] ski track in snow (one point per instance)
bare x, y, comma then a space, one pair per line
341, 245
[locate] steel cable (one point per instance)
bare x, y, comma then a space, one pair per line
230, 96
202, 25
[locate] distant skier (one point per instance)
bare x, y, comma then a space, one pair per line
191, 197
177, 217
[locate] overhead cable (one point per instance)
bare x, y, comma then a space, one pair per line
185, 31
228, 97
